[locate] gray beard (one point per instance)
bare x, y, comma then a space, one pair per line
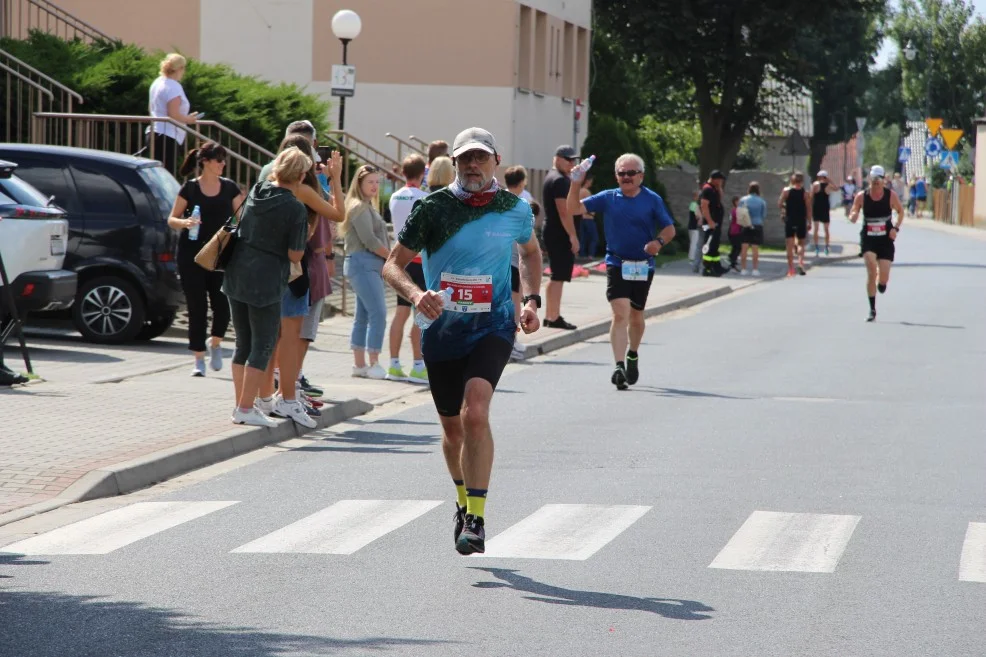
473, 186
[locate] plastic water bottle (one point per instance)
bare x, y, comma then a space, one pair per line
580, 169
422, 321
193, 231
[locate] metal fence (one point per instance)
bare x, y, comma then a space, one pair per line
18, 18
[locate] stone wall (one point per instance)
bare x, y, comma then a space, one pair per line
681, 184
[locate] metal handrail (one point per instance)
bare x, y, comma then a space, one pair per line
238, 136
28, 80
75, 22
50, 80
401, 144
424, 143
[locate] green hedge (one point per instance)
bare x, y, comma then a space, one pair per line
114, 78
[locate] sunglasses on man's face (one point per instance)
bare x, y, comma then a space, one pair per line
627, 174
479, 157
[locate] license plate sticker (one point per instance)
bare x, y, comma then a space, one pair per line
470, 294
635, 270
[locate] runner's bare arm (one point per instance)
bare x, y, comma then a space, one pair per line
809, 206
857, 205
530, 283
895, 204
782, 199
667, 234
394, 274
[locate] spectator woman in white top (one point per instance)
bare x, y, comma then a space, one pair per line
168, 99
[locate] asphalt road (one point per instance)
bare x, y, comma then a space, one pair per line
785, 479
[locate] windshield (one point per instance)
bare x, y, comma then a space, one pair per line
22, 193
163, 185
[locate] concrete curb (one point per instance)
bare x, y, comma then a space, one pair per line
164, 464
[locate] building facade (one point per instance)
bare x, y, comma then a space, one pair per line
427, 68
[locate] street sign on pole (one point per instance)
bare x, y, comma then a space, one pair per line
343, 80
950, 160
903, 154
951, 137
860, 123
795, 145
934, 125
933, 147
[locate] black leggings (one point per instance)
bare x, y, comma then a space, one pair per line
257, 329
203, 288
168, 151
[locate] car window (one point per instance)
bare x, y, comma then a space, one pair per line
163, 185
6, 200
22, 192
99, 193
49, 179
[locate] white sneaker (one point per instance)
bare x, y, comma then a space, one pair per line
375, 371
253, 417
295, 411
518, 351
745, 272
360, 372
756, 272
265, 407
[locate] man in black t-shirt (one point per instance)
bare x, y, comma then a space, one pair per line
712, 214
560, 237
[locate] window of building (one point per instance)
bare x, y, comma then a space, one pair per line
541, 46
526, 36
582, 65
568, 62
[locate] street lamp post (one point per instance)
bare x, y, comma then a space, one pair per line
910, 52
845, 136
346, 25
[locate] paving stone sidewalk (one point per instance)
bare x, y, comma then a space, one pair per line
98, 407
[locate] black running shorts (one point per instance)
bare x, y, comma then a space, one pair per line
514, 279
883, 247
797, 229
448, 378
635, 291
417, 274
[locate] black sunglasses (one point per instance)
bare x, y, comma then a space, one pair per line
627, 174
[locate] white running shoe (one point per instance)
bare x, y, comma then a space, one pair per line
375, 371
296, 411
745, 272
519, 350
360, 372
756, 272
265, 406
253, 417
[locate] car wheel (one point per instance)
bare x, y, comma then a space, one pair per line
108, 310
156, 327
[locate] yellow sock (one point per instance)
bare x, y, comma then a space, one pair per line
460, 491
476, 502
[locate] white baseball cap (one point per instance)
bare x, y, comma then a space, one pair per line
473, 139
876, 171
823, 174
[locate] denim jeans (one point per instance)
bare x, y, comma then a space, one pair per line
588, 237
363, 271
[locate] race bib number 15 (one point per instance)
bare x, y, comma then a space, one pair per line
470, 294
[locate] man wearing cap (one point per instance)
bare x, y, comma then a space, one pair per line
712, 213
560, 233
820, 207
465, 233
878, 204
637, 225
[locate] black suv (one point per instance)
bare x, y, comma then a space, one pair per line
119, 241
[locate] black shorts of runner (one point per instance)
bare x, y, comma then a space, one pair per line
417, 274
822, 218
514, 279
752, 235
797, 229
882, 246
447, 378
635, 291
560, 256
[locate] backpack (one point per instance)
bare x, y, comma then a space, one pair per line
743, 215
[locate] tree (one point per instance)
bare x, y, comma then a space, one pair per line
723, 49
947, 78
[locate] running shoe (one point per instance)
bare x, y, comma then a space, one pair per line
419, 376
826, 250
559, 323
265, 406
294, 410
396, 374
801, 270
311, 401
199, 369
309, 389
253, 418
872, 316
633, 371
472, 539
376, 371
215, 357
619, 378
459, 520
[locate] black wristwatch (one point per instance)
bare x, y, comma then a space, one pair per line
660, 240
536, 298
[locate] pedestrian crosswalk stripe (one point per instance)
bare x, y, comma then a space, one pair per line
114, 529
564, 531
972, 565
797, 542
342, 528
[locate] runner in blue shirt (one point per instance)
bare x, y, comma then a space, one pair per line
637, 224
466, 233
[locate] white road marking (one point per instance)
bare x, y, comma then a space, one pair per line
564, 531
972, 565
114, 529
798, 542
342, 528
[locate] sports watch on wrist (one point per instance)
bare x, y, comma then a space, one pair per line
536, 298
660, 240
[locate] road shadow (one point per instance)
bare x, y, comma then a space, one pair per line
676, 392
667, 607
43, 624
363, 438
548, 363
54, 355
941, 326
17, 560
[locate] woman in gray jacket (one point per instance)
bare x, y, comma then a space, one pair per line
367, 248
272, 234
